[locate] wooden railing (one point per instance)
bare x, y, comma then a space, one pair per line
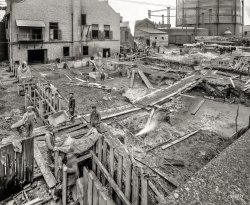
16, 169
42, 100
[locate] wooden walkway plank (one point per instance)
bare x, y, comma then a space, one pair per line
128, 179
44, 168
145, 80
144, 190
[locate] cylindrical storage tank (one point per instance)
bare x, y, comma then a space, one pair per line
217, 16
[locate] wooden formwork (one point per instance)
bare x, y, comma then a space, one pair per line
16, 169
42, 100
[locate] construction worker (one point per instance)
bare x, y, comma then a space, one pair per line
50, 143
23, 72
95, 118
29, 118
72, 105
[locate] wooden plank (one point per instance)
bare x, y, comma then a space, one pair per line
174, 162
160, 197
179, 140
99, 154
157, 146
232, 82
96, 190
197, 108
102, 199
135, 190
144, 190
56, 164
85, 186
90, 189
104, 154
64, 187
132, 79
119, 171
111, 181
34, 201
44, 168
111, 161
145, 80
172, 181
128, 179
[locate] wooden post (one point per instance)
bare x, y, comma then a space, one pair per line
104, 154
90, 190
99, 156
64, 187
128, 179
135, 192
111, 161
144, 190
56, 164
236, 119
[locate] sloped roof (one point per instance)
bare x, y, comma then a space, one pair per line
151, 30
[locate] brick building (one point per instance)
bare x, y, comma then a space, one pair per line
146, 34
41, 31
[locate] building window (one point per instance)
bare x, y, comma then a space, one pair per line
85, 50
95, 31
65, 51
126, 35
155, 38
55, 33
245, 33
37, 34
107, 31
162, 38
202, 17
83, 20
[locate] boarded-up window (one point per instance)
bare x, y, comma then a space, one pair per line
85, 50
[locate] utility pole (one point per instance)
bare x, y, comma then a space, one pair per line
242, 21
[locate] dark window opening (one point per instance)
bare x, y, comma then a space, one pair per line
162, 38
54, 31
126, 35
37, 34
245, 33
107, 31
155, 37
85, 50
84, 20
65, 51
95, 31
106, 52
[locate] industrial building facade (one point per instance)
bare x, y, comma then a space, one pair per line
40, 31
218, 16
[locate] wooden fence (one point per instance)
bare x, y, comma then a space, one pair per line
127, 183
16, 169
42, 100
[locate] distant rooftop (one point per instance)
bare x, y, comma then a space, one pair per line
151, 30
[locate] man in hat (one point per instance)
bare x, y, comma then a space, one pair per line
72, 105
95, 118
29, 118
50, 142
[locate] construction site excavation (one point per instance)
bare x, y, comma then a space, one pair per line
93, 115
164, 119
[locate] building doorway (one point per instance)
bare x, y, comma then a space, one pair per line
148, 42
37, 56
106, 52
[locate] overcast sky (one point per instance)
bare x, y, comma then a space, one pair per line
132, 11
